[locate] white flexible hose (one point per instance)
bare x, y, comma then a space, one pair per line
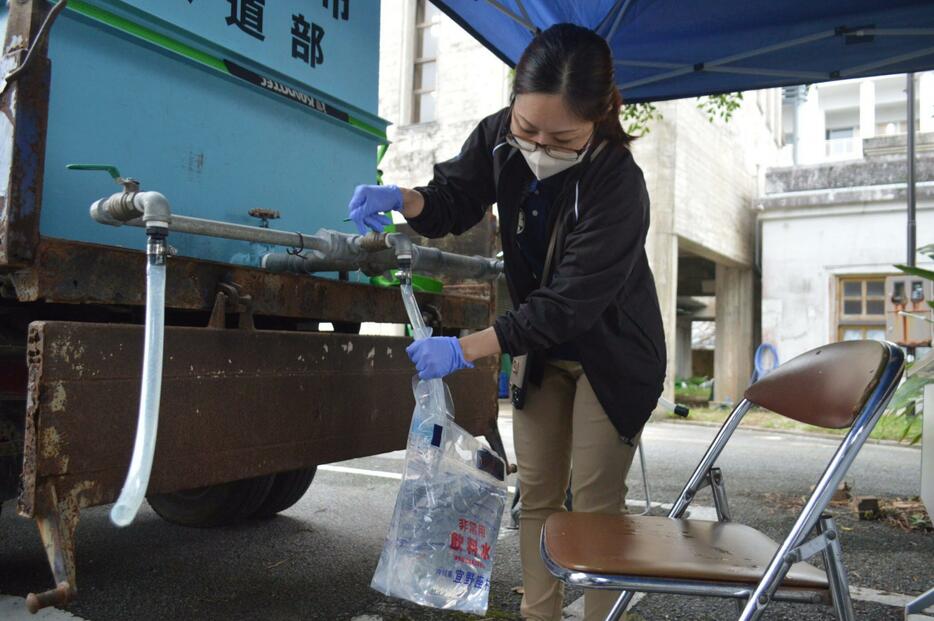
137, 480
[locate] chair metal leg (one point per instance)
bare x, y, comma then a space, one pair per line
718, 488
697, 479
645, 479
921, 603
836, 571
762, 596
622, 603
836, 574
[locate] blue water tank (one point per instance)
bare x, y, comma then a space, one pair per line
221, 106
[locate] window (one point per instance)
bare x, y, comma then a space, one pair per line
895, 128
861, 308
862, 333
842, 143
843, 132
424, 77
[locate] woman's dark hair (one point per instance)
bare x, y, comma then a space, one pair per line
576, 63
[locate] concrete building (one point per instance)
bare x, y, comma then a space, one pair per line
436, 83
833, 221
829, 122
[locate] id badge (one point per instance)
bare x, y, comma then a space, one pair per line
517, 380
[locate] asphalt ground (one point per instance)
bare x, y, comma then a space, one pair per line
315, 561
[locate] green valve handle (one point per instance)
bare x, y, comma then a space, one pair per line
422, 284
129, 184
107, 168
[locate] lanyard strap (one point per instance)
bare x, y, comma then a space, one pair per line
552, 242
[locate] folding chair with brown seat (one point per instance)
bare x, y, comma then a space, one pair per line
840, 385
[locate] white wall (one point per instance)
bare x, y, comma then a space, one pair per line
837, 119
717, 177
706, 175
471, 84
807, 249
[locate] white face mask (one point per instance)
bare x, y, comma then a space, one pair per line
544, 165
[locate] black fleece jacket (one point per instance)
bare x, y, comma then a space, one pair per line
601, 294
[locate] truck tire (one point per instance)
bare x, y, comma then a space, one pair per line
12, 419
213, 505
287, 489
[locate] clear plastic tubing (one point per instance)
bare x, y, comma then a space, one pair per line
435, 386
137, 480
415, 315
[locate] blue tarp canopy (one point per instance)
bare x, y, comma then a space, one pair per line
667, 49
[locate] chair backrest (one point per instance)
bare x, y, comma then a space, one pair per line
827, 386
839, 385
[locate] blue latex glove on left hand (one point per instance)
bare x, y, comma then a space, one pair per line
369, 201
437, 356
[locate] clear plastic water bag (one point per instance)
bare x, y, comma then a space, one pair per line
439, 549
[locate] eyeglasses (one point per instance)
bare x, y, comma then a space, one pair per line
559, 153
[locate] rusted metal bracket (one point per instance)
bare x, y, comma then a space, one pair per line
36, 44
432, 316
24, 115
718, 488
57, 597
229, 299
57, 520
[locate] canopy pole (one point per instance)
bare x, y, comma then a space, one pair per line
778, 73
617, 20
807, 76
826, 34
910, 96
499, 6
895, 32
525, 14
852, 71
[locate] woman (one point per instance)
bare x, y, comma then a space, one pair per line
557, 163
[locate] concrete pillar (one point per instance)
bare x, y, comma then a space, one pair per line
664, 261
867, 109
683, 348
926, 106
809, 123
799, 125
657, 154
735, 293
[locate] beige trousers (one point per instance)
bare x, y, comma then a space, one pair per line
563, 423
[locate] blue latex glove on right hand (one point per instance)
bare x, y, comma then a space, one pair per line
437, 356
369, 201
